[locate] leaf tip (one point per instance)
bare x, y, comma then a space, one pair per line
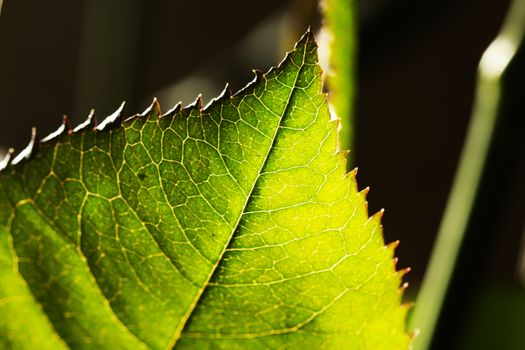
307, 37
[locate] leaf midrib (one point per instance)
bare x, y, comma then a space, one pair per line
186, 318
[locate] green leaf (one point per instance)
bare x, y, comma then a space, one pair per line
230, 226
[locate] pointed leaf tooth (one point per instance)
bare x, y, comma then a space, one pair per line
30, 149
404, 271
352, 174
115, 119
63, 128
396, 260
344, 153
174, 110
198, 102
6, 161
152, 109
223, 96
154, 105
259, 75
226, 93
376, 217
393, 245
89, 123
67, 123
364, 191
155, 108
307, 36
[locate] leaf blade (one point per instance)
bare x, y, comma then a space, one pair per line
151, 218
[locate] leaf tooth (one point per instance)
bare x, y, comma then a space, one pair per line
364, 191
67, 123
89, 123
343, 156
223, 96
403, 272
112, 120
403, 287
352, 173
393, 245
65, 127
152, 109
6, 161
376, 217
401, 290
154, 105
259, 75
174, 110
226, 93
198, 103
30, 149
344, 153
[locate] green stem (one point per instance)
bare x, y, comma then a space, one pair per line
340, 26
492, 66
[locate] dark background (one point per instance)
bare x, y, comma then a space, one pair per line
416, 82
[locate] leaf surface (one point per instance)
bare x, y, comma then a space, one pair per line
230, 226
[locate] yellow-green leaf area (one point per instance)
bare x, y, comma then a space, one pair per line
232, 226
